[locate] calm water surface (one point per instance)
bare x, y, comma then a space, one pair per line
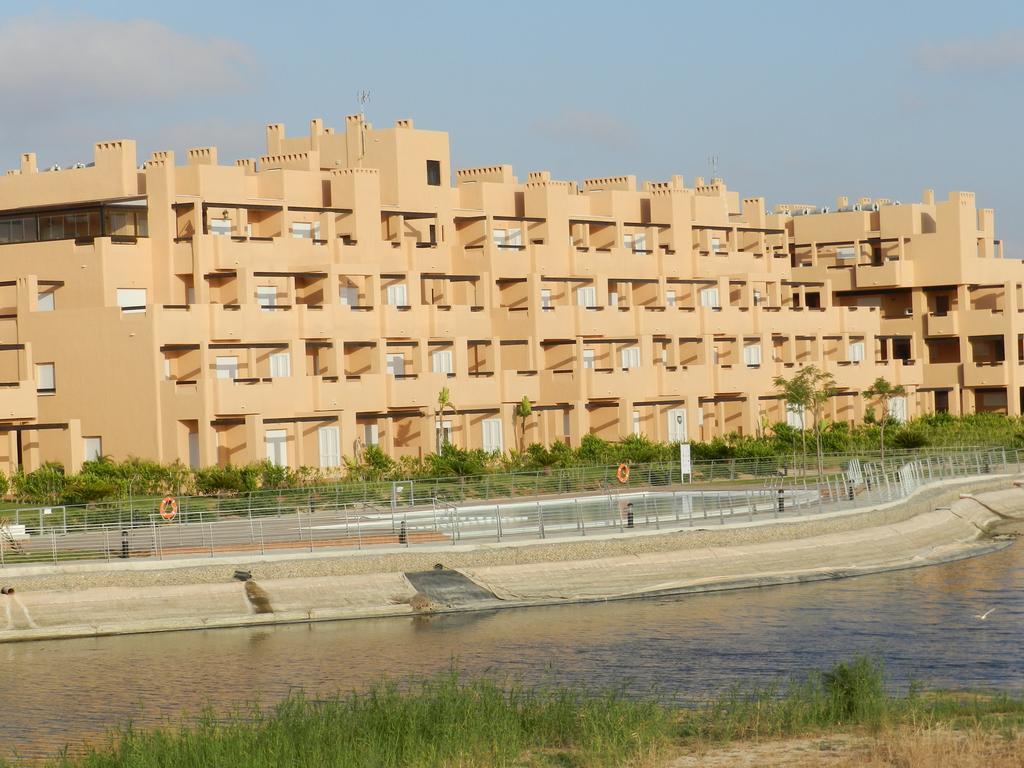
921, 622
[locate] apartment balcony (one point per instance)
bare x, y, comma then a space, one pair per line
864, 321
515, 385
415, 390
901, 324
786, 321
480, 390
614, 383
684, 380
909, 373
261, 395
891, 273
403, 322
743, 378
986, 374
19, 400
448, 322
551, 259
182, 399
620, 262
946, 324
332, 320
941, 375
177, 323
263, 254
855, 375
551, 323
428, 257
365, 392
661, 321
983, 322
561, 386
611, 322
252, 323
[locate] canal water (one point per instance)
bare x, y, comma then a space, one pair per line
920, 622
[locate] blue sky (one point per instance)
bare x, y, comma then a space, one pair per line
800, 101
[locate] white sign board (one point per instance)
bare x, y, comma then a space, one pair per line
685, 467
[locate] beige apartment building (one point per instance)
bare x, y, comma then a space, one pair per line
315, 300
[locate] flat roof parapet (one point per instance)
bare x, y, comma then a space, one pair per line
501, 174
619, 183
292, 161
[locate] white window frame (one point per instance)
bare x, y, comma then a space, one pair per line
794, 416
586, 296
637, 430
226, 367
677, 428
349, 295
716, 244
220, 227
629, 357
266, 296
670, 298
329, 444
545, 298
499, 236
589, 358
855, 352
443, 433
276, 443
752, 354
492, 438
305, 230
898, 408
93, 448
613, 298
397, 295
709, 297
371, 434
280, 364
441, 361
846, 252
46, 378
45, 301
135, 298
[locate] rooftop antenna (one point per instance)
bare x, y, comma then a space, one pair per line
362, 99
713, 166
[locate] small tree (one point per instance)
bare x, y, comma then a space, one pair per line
821, 386
882, 392
444, 400
523, 411
797, 398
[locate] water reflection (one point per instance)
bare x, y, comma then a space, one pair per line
921, 622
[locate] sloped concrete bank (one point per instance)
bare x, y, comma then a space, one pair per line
934, 525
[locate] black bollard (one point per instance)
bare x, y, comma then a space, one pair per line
849, 489
782, 501
124, 545
401, 533
629, 515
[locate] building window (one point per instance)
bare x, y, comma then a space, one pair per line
280, 365
220, 226
306, 230
397, 295
716, 244
637, 243
709, 297
586, 297
443, 431
266, 296
329, 439
349, 295
45, 300
855, 353
588, 358
613, 298
752, 355
46, 378
545, 298
670, 298
492, 435
277, 447
131, 300
227, 367
396, 364
636, 424
794, 416
434, 173
441, 361
898, 409
93, 448
630, 357
845, 252
371, 434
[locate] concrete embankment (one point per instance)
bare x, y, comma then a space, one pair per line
933, 525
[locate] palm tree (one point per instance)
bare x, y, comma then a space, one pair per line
444, 400
883, 392
523, 411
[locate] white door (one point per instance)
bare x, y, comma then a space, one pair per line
441, 361
709, 297
277, 447
670, 298
794, 416
856, 352
304, 229
898, 409
636, 424
752, 355
588, 358
131, 299
396, 365
443, 433
586, 296
630, 357
677, 425
371, 434
613, 298
492, 435
397, 295
499, 235
46, 377
193, 450
716, 244
330, 447
227, 367
280, 365
266, 296
545, 298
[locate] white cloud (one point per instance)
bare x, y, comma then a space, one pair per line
574, 126
56, 64
992, 54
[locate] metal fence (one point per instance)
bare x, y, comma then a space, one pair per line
412, 513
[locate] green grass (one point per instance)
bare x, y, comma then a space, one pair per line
450, 721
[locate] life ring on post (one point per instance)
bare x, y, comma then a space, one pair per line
622, 473
168, 508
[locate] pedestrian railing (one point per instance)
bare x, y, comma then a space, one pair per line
418, 513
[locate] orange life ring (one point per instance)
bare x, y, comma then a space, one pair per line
168, 508
622, 473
